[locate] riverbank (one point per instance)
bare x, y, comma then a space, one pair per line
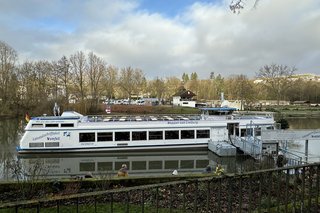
161, 109
280, 111
13, 191
294, 111
289, 189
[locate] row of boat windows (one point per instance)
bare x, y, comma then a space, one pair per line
50, 125
143, 165
42, 144
144, 135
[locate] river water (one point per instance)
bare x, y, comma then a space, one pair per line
13, 167
299, 146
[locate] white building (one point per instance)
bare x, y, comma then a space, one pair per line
184, 98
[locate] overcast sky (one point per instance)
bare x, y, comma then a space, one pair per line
168, 37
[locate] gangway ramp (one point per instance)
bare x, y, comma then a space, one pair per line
250, 145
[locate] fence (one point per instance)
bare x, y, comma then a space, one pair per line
290, 189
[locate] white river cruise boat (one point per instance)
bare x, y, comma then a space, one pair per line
73, 132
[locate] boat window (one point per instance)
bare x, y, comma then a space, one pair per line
201, 163
155, 164
37, 125
52, 125
122, 136
237, 131
139, 165
67, 125
155, 135
104, 166
87, 137
203, 133
187, 134
52, 144
105, 136
139, 136
172, 134
249, 132
171, 164
118, 164
87, 167
36, 144
243, 132
186, 164
257, 132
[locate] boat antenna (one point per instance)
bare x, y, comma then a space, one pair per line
222, 97
56, 109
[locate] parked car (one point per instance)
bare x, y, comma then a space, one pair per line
140, 102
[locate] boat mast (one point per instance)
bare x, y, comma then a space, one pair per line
56, 109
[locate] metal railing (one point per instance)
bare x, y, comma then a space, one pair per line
290, 189
250, 145
115, 118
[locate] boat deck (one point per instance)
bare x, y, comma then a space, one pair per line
117, 118
164, 117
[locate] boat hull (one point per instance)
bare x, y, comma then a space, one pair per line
178, 147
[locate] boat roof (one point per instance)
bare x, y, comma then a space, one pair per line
71, 114
67, 115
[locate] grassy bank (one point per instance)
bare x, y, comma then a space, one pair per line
161, 109
294, 111
281, 111
34, 189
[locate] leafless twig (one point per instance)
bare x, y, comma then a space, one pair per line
237, 5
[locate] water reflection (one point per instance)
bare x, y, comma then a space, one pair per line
10, 132
299, 145
304, 123
139, 163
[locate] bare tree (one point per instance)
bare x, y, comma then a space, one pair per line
277, 78
206, 89
172, 84
110, 80
158, 87
27, 85
131, 80
96, 68
35, 80
63, 71
55, 81
193, 84
237, 5
42, 70
218, 83
241, 88
8, 57
78, 70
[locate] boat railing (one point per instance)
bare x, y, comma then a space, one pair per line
137, 118
252, 115
175, 117
293, 158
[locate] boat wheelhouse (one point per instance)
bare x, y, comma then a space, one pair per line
73, 132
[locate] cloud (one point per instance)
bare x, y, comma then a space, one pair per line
202, 38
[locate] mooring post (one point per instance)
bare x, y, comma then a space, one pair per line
306, 150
